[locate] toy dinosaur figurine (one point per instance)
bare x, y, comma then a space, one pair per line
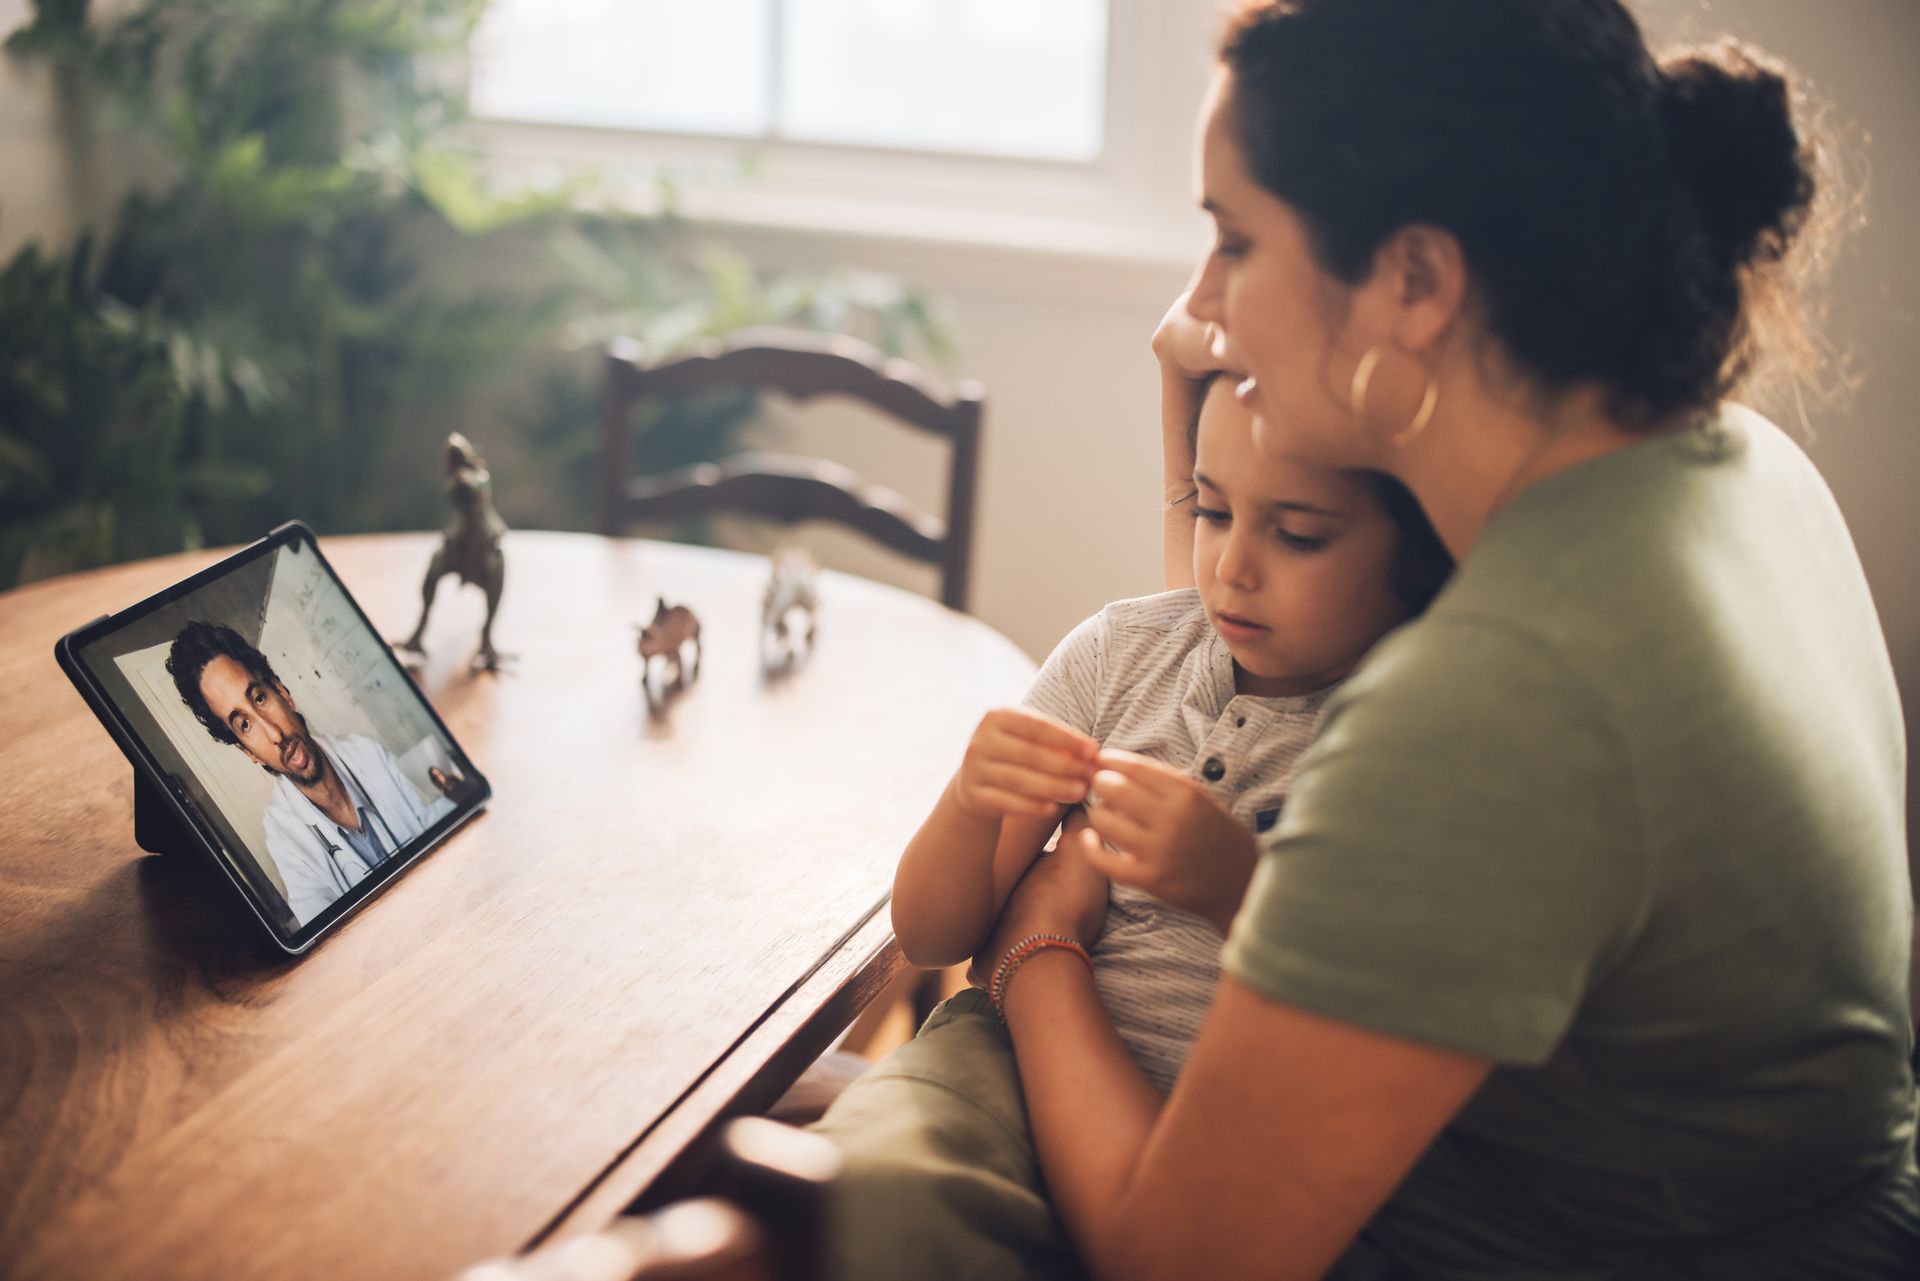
788, 609
664, 638
469, 547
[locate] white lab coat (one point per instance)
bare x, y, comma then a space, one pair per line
316, 877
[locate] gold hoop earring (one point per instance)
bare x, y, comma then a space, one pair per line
1363, 383
1424, 415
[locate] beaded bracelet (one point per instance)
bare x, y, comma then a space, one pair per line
1018, 954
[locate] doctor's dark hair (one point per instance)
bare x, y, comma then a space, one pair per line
198, 644
1625, 220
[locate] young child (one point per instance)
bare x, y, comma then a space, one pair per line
1177, 719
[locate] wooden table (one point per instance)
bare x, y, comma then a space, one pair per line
657, 924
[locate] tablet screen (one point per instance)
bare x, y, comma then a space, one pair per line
281, 722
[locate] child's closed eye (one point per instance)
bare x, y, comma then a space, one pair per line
1285, 537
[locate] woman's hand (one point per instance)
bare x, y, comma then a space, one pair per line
1186, 347
1163, 833
1022, 763
1062, 893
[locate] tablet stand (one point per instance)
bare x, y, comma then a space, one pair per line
156, 826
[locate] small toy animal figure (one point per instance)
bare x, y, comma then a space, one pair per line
787, 613
469, 547
672, 628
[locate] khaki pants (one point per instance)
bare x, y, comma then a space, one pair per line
941, 1180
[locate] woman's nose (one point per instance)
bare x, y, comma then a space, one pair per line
1203, 300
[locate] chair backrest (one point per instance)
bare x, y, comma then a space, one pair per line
800, 366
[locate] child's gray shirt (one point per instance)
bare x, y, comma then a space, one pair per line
1151, 676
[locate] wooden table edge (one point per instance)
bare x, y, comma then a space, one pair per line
664, 1162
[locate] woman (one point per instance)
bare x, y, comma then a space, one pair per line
1581, 947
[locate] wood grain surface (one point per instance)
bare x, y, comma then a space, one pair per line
658, 921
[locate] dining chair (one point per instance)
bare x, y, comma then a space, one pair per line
786, 489
763, 1218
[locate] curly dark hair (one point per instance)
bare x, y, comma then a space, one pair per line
198, 644
1625, 219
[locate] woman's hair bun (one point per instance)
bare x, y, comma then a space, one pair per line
1727, 112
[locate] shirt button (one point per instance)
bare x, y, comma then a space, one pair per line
1214, 770
1239, 722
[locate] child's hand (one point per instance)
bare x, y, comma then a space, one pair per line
1173, 839
1021, 762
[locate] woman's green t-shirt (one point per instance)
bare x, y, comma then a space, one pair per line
1624, 813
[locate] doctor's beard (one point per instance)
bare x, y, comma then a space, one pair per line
314, 767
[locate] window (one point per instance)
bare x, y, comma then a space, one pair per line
1022, 79
1058, 127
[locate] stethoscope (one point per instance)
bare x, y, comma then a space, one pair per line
367, 811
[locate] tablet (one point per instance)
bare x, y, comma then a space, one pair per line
273, 726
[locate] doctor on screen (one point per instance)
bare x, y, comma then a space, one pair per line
340, 806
